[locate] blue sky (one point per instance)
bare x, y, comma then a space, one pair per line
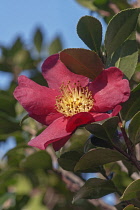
18, 17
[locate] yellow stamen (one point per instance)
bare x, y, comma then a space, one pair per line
74, 99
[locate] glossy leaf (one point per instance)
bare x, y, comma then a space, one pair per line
126, 56
95, 188
97, 157
120, 28
69, 159
89, 30
94, 142
77, 62
134, 129
104, 129
132, 105
132, 191
38, 39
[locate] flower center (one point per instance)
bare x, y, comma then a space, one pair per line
74, 99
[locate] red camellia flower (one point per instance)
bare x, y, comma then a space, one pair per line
70, 101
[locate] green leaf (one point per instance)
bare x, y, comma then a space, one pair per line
17, 46
38, 39
132, 191
120, 178
5, 176
24, 118
38, 160
4, 66
16, 155
69, 159
134, 129
94, 142
77, 62
18, 149
104, 129
8, 124
126, 56
120, 28
21, 201
97, 157
55, 46
7, 196
95, 188
138, 67
24, 60
105, 5
130, 167
35, 202
137, 88
131, 207
7, 104
87, 4
77, 141
89, 30
132, 105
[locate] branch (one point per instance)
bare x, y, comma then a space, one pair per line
74, 183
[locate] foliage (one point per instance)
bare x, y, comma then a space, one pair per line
32, 179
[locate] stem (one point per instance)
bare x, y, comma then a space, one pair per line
127, 140
131, 154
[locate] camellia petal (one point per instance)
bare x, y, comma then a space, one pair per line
88, 117
109, 90
36, 99
56, 73
64, 108
24, 81
46, 119
79, 119
102, 116
56, 131
58, 144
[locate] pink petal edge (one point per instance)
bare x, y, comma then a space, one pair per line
109, 90
36, 99
56, 131
56, 73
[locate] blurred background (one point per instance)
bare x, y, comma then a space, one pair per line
29, 32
